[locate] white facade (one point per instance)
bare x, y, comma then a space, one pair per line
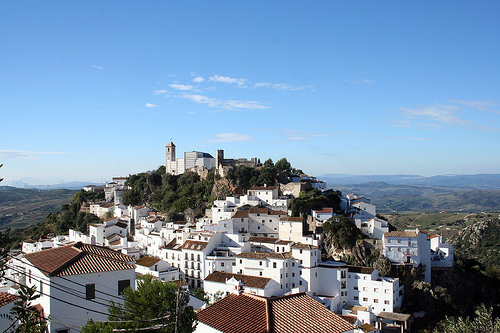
441, 253
321, 215
373, 227
367, 288
410, 247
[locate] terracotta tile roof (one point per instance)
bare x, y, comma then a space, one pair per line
401, 234
265, 255
323, 210
304, 246
194, 245
301, 313
6, 298
247, 280
350, 319
147, 261
79, 259
284, 242
277, 212
104, 252
258, 210
173, 245
291, 219
366, 328
294, 313
359, 269
241, 214
122, 225
258, 239
236, 314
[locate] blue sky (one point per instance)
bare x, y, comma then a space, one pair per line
95, 89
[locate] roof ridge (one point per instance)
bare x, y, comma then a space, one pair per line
70, 261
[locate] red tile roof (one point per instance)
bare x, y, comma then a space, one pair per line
241, 214
194, 245
258, 239
263, 188
79, 259
401, 234
304, 246
291, 219
236, 314
147, 261
294, 313
359, 269
265, 255
6, 298
247, 280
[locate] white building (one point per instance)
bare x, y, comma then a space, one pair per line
373, 227
106, 232
232, 283
367, 288
321, 215
158, 268
441, 253
77, 283
193, 160
410, 247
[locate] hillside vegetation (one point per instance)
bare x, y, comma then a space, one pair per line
20, 208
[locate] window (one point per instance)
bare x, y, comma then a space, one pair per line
260, 263
300, 251
274, 265
260, 273
365, 299
241, 261
343, 285
355, 287
375, 290
300, 282
90, 291
387, 302
365, 289
221, 264
343, 274
386, 291
293, 274
293, 285
122, 284
356, 298
375, 300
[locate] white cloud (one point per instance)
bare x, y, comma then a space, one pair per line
487, 106
181, 86
198, 79
222, 104
228, 80
362, 80
403, 138
159, 92
438, 115
14, 154
97, 67
230, 137
279, 86
149, 105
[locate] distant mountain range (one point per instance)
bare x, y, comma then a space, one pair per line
50, 185
401, 193
462, 182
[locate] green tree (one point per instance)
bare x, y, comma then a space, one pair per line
30, 320
483, 322
155, 306
283, 165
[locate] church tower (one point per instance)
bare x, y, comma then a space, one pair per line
170, 165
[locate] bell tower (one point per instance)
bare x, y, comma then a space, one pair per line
170, 165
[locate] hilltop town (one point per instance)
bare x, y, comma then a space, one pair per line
248, 262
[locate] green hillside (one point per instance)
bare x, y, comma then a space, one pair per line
20, 208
